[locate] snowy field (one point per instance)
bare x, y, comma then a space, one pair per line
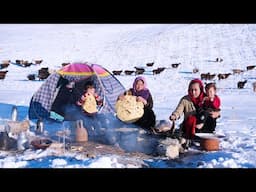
123, 47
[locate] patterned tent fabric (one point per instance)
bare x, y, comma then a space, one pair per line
41, 101
107, 86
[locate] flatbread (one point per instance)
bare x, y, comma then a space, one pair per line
90, 104
128, 109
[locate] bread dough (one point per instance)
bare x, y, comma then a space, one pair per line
90, 104
128, 109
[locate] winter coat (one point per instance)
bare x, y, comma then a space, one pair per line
185, 107
214, 105
149, 101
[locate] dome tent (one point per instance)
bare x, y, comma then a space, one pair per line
53, 95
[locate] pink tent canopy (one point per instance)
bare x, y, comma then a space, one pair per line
83, 69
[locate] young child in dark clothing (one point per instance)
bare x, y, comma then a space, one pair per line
211, 102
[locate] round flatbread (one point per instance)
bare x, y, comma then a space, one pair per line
128, 109
90, 104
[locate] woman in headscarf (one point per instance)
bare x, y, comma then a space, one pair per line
143, 95
189, 106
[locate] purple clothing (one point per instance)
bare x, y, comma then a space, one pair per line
137, 79
143, 93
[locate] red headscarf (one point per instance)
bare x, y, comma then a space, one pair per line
199, 100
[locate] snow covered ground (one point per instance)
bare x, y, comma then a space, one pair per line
122, 47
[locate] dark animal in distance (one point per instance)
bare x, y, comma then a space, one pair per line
223, 75
150, 64
195, 70
31, 77
43, 73
18, 61
23, 63
207, 76
128, 72
175, 65
117, 72
237, 71
3, 74
219, 59
250, 67
139, 70
38, 61
4, 65
240, 84
158, 70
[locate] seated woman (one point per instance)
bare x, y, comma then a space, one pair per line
90, 100
62, 100
188, 106
142, 93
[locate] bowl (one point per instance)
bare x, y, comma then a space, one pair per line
41, 143
209, 143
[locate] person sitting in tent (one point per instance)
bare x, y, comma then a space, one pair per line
90, 100
143, 95
107, 86
62, 99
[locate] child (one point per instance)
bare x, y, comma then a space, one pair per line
210, 103
90, 99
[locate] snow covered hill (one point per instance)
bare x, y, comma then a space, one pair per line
125, 46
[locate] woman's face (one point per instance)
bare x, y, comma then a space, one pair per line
195, 90
139, 85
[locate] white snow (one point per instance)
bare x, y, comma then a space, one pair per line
124, 46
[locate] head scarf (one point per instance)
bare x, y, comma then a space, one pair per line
199, 100
144, 92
